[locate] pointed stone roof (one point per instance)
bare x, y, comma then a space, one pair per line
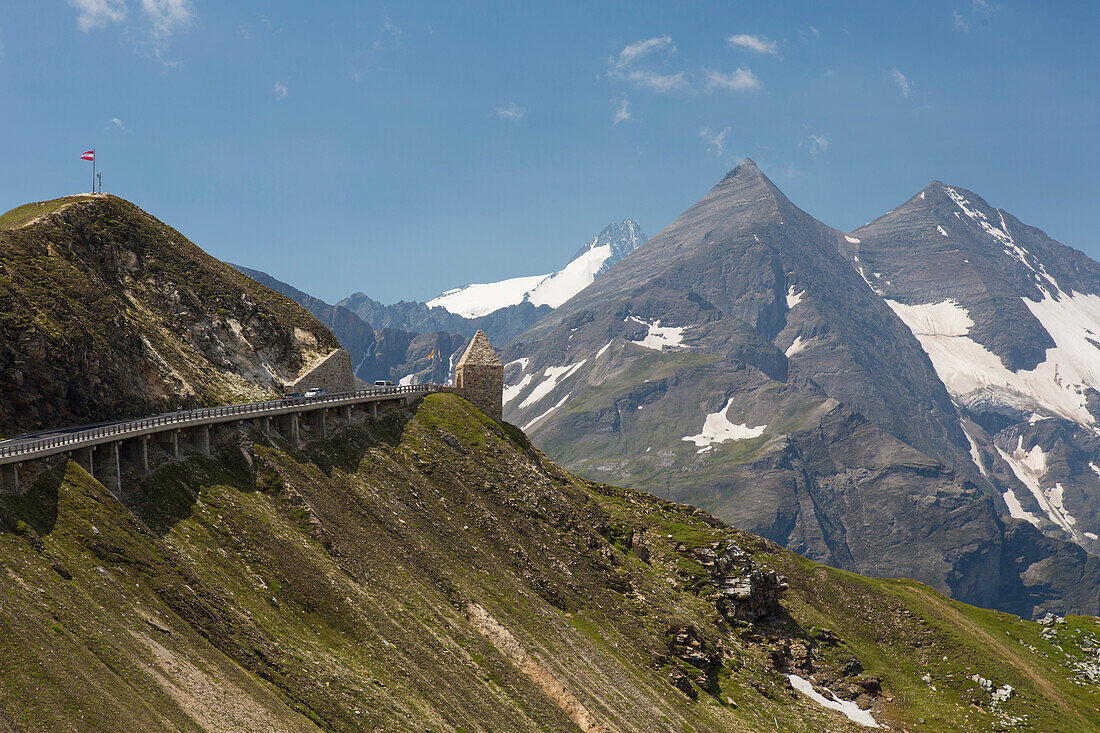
480, 352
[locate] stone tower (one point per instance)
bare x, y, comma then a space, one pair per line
480, 375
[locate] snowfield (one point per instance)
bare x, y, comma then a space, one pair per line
658, 336
481, 299
1057, 384
553, 289
794, 298
718, 429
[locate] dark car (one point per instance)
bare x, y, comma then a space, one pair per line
292, 396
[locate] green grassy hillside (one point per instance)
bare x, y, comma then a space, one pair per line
432, 571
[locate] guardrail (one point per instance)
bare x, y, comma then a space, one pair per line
185, 418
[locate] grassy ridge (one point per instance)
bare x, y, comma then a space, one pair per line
329, 588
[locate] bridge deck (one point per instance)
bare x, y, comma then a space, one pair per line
17, 450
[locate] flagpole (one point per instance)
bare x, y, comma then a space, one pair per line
93, 171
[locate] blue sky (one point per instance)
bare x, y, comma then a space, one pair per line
401, 149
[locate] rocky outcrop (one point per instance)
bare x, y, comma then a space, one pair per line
107, 313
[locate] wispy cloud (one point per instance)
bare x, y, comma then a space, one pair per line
759, 44
985, 6
118, 124
392, 29
622, 113
167, 16
511, 112
741, 80
716, 141
280, 90
960, 22
902, 81
98, 13
816, 144
624, 65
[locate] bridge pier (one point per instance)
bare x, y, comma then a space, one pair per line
295, 430
324, 428
145, 453
116, 480
89, 460
374, 410
14, 477
176, 443
347, 412
204, 439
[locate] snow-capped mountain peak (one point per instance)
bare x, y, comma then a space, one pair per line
592, 260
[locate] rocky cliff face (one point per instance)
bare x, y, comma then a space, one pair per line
1010, 320
106, 312
739, 362
432, 570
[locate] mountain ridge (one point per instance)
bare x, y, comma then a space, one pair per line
824, 424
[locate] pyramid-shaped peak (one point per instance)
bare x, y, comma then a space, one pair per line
480, 352
747, 168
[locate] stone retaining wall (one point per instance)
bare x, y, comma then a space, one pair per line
333, 373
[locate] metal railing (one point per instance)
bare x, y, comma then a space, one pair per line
205, 415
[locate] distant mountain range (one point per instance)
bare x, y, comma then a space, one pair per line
592, 260
755, 362
918, 397
395, 341
1010, 319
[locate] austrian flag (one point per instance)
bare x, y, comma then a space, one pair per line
88, 155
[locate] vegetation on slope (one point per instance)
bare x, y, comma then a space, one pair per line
432, 571
106, 313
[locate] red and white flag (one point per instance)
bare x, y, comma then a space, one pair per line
88, 155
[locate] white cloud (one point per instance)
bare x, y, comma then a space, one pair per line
634, 51
167, 16
118, 123
716, 141
816, 144
392, 29
622, 66
902, 81
960, 22
759, 44
511, 112
741, 80
98, 13
280, 90
985, 6
622, 114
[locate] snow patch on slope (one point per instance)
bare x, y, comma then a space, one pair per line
794, 298
975, 454
531, 424
1029, 466
512, 392
658, 336
795, 348
851, 711
554, 376
718, 429
851, 240
1058, 383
